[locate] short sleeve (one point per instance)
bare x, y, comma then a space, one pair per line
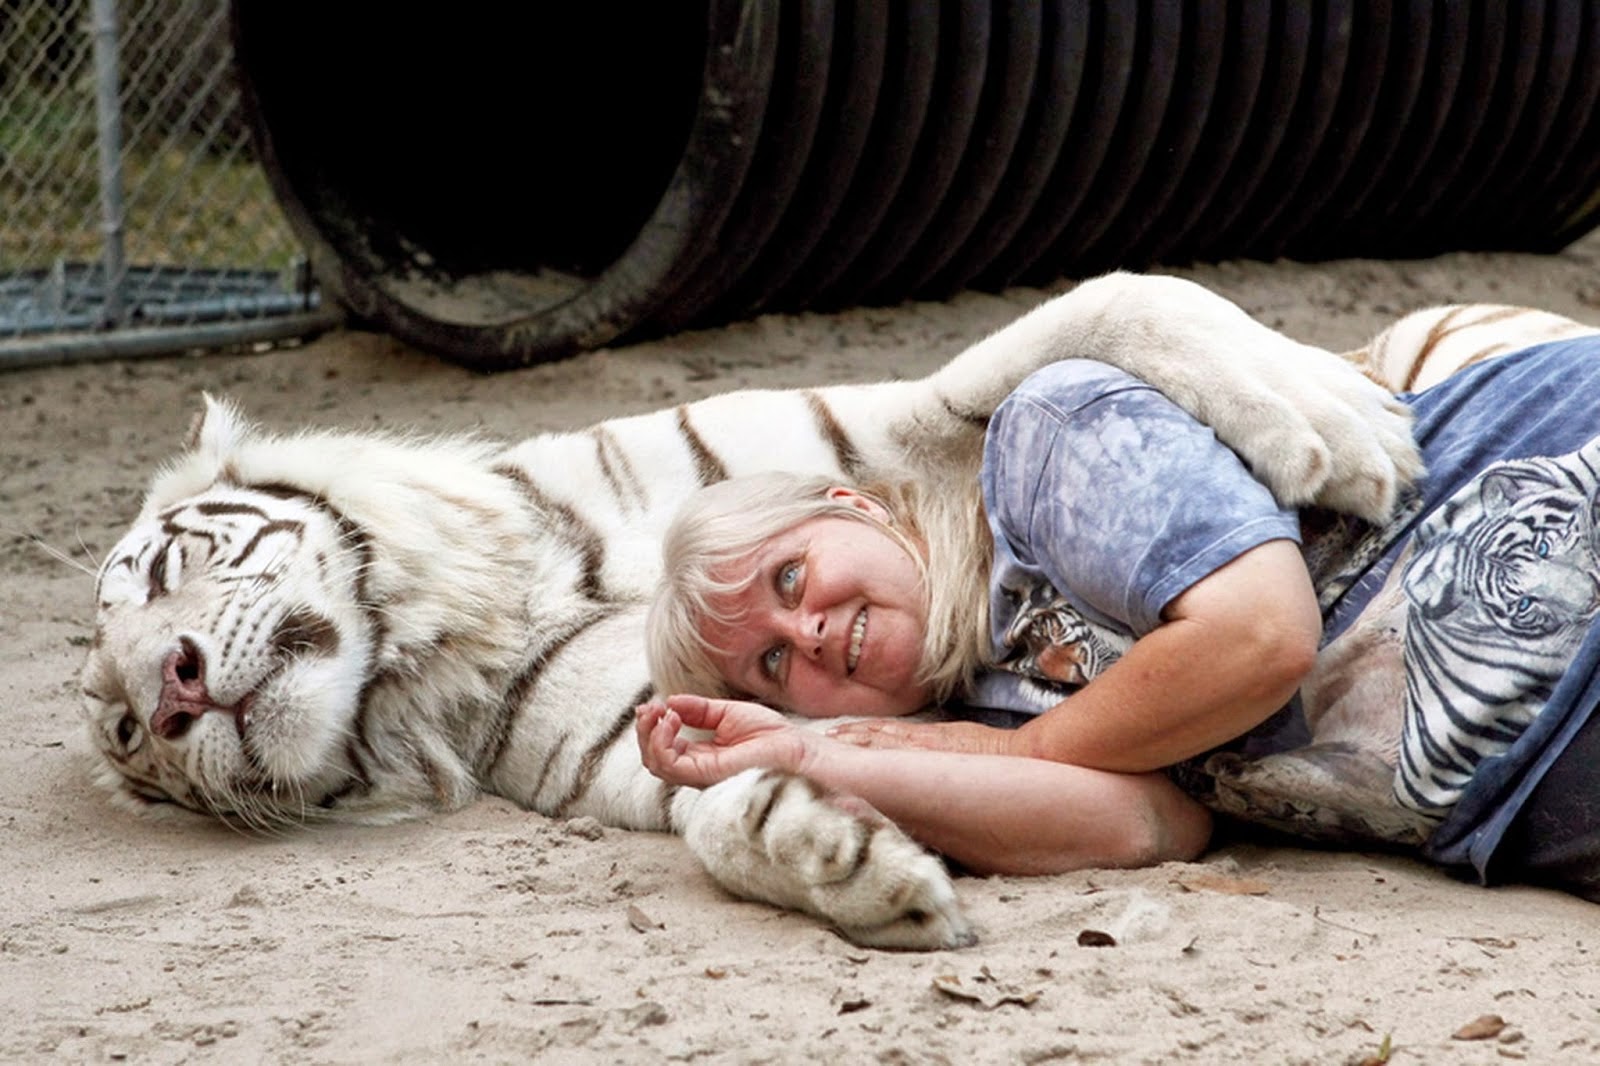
1119, 499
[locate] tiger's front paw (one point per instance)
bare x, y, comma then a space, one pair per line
1369, 438
776, 837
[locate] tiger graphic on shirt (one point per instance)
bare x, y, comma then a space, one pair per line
1503, 582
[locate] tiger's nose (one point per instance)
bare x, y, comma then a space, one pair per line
184, 697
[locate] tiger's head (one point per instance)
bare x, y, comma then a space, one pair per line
274, 602
1510, 556
229, 652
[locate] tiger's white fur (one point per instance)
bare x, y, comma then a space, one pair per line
1425, 347
343, 625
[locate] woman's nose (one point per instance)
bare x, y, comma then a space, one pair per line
809, 628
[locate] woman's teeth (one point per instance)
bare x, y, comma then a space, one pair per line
857, 633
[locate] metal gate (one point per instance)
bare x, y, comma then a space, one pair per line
133, 217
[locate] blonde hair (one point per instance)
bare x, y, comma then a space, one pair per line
942, 528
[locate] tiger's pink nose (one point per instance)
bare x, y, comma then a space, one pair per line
183, 692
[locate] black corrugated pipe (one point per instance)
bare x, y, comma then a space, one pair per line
507, 183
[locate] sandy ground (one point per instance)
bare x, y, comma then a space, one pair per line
496, 935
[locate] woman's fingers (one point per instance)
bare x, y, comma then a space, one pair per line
645, 717
658, 730
697, 712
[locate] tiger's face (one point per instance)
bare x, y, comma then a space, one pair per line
1522, 568
228, 657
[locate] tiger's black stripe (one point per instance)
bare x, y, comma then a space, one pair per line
589, 544
616, 468
845, 451
521, 689
215, 508
360, 543
1449, 325
665, 794
773, 796
589, 765
550, 760
277, 525
708, 468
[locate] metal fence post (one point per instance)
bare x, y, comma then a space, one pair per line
108, 138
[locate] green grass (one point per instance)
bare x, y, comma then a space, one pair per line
184, 205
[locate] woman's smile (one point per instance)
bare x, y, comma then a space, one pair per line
858, 633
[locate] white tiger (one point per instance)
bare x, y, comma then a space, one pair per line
349, 626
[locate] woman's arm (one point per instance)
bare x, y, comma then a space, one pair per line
1233, 648
1099, 488
992, 814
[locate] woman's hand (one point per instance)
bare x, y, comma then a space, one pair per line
890, 733
744, 735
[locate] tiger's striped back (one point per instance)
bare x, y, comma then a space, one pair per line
1427, 346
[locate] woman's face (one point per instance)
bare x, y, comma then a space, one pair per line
832, 625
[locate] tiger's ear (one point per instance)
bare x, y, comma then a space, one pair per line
1504, 484
217, 429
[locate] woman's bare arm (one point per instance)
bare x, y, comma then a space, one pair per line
992, 814
1233, 649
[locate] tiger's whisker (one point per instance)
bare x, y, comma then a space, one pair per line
55, 553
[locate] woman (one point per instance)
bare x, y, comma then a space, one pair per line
1126, 547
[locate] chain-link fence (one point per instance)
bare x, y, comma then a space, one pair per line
133, 217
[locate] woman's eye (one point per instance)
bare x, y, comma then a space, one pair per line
772, 663
789, 580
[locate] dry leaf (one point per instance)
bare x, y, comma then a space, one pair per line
1094, 938
850, 1006
1233, 886
987, 998
1483, 1027
716, 973
1505, 943
641, 921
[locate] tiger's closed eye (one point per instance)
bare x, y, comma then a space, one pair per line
129, 733
166, 568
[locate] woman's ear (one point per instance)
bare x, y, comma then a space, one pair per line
861, 501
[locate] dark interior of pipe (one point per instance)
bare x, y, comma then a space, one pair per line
504, 183
485, 135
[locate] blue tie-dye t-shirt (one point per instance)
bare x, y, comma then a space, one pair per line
1106, 501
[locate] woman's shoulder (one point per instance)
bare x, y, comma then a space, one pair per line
1071, 384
